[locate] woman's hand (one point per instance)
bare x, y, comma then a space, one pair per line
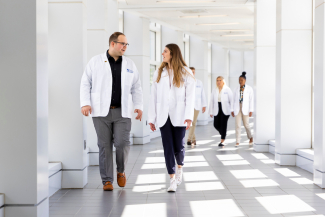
188, 123
211, 116
233, 114
152, 127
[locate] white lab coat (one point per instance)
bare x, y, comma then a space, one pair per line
96, 87
200, 99
248, 100
176, 102
226, 101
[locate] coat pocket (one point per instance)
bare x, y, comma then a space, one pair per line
95, 102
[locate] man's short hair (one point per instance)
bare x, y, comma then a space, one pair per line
192, 68
114, 37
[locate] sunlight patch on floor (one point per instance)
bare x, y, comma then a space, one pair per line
284, 204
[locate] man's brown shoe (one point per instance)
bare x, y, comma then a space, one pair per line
108, 186
121, 180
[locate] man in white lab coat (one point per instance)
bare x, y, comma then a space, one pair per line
110, 88
200, 102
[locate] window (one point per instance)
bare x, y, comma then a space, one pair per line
153, 45
186, 42
155, 49
210, 82
152, 71
121, 21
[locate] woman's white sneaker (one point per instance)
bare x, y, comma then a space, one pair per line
173, 185
179, 175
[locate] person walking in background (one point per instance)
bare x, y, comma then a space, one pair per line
109, 85
221, 104
200, 102
171, 108
243, 108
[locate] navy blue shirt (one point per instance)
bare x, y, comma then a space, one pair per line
116, 68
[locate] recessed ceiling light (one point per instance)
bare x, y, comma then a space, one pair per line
215, 24
184, 2
202, 16
234, 35
230, 30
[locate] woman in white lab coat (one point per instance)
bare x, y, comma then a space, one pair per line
243, 108
171, 108
220, 107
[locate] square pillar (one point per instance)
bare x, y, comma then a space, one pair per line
102, 21
265, 50
24, 179
319, 94
136, 30
67, 59
199, 60
293, 79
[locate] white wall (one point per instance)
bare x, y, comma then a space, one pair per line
240, 61
168, 36
249, 67
236, 67
220, 64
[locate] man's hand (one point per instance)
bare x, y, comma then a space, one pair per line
203, 109
250, 114
139, 114
233, 114
211, 116
152, 127
86, 110
188, 124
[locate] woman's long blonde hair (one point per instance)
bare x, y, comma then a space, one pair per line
178, 65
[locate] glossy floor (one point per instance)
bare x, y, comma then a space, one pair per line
225, 182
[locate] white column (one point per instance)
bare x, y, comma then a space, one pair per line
265, 49
180, 41
236, 67
199, 60
136, 30
168, 36
24, 108
319, 94
102, 21
220, 61
293, 79
67, 58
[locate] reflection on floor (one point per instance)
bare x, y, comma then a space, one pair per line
224, 182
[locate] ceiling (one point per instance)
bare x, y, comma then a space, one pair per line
228, 23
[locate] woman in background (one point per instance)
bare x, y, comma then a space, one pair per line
220, 107
243, 108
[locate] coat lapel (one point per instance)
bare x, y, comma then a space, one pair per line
123, 70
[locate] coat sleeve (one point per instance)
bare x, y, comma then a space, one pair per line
152, 113
203, 98
136, 90
190, 85
251, 100
85, 86
231, 100
211, 106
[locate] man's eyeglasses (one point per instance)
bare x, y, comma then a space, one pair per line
122, 43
